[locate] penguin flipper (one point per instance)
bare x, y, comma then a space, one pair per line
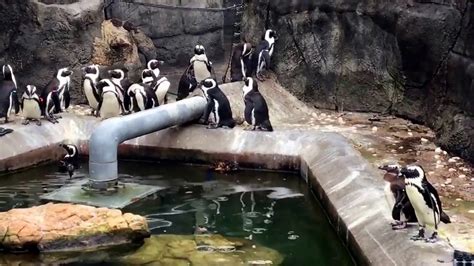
67, 98
445, 218
16, 103
56, 102
207, 112
266, 57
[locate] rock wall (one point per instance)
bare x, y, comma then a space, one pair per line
411, 58
38, 38
175, 32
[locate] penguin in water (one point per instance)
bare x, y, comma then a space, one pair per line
8, 93
240, 67
425, 200
31, 105
121, 82
256, 109
91, 77
187, 83
63, 91
111, 104
161, 85
142, 95
70, 162
202, 67
50, 96
217, 104
397, 197
263, 53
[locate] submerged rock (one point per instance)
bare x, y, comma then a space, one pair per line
66, 227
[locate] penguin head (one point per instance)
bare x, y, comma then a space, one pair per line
148, 76
91, 70
8, 74
413, 172
117, 74
30, 90
208, 84
199, 50
270, 35
63, 73
154, 64
105, 84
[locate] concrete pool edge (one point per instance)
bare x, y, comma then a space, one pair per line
348, 187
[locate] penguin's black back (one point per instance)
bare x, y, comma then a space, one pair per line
260, 108
7, 87
224, 110
187, 83
263, 45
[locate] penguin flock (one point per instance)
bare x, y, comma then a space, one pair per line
411, 195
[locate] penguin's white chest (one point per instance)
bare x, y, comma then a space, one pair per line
88, 90
31, 109
389, 196
161, 90
110, 106
200, 71
424, 214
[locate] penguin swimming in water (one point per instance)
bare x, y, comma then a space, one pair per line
161, 85
31, 105
202, 67
91, 77
217, 104
70, 162
240, 67
142, 95
397, 197
256, 109
8, 93
187, 83
50, 96
263, 53
111, 104
121, 82
425, 200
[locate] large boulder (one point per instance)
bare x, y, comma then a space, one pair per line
37, 37
411, 58
62, 227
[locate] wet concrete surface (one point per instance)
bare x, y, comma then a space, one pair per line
304, 139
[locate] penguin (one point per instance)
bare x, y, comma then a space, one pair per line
397, 197
70, 162
256, 109
31, 105
50, 96
142, 95
161, 85
263, 53
202, 67
63, 91
121, 82
187, 83
111, 104
89, 84
217, 104
240, 63
425, 200
8, 93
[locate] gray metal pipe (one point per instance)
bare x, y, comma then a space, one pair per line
103, 144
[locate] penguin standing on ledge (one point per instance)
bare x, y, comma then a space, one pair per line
63, 90
217, 104
240, 67
256, 109
161, 85
121, 82
187, 83
263, 53
397, 197
201, 65
142, 95
91, 77
111, 104
50, 96
31, 105
8, 94
425, 200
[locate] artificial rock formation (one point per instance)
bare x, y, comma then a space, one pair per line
411, 58
53, 227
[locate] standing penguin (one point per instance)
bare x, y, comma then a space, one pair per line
50, 96
111, 104
64, 75
202, 67
70, 162
187, 83
217, 104
121, 82
162, 85
89, 85
240, 67
8, 93
397, 197
142, 95
31, 105
263, 53
425, 200
256, 109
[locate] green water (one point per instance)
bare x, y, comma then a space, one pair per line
273, 209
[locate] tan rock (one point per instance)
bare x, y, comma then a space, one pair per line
52, 225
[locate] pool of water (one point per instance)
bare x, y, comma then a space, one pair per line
275, 210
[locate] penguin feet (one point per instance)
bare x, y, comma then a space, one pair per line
433, 238
38, 122
25, 122
212, 126
420, 236
249, 128
398, 225
259, 77
52, 119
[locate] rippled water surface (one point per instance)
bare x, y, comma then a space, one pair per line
272, 209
